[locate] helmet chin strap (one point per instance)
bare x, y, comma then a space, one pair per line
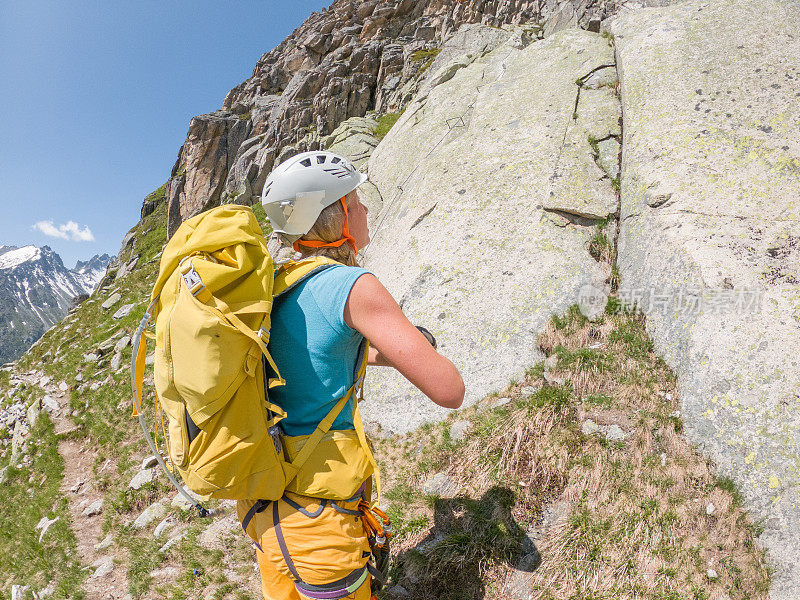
346, 237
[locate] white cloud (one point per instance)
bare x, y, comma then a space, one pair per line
68, 231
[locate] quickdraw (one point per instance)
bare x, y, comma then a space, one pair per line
379, 531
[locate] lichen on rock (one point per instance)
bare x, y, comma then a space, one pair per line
709, 195
463, 241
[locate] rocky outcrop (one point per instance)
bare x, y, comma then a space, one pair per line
89, 273
351, 58
354, 139
480, 239
376, 38
76, 302
203, 164
709, 235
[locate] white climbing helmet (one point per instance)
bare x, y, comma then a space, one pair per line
297, 191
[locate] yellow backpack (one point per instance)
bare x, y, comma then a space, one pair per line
211, 304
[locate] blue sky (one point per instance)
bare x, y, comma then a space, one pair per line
96, 98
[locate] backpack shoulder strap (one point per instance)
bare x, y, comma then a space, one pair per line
355, 392
292, 273
358, 425
287, 277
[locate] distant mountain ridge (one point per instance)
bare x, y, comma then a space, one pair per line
36, 291
91, 271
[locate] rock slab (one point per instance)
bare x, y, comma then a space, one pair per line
440, 484
95, 508
124, 311
155, 511
464, 242
102, 567
111, 301
141, 478
710, 223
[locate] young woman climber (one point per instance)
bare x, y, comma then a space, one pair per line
314, 542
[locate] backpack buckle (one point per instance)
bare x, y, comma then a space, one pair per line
192, 278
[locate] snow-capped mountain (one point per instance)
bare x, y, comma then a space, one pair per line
90, 272
36, 291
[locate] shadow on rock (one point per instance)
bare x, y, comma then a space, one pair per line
468, 537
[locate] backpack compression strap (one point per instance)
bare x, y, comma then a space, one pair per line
358, 425
137, 379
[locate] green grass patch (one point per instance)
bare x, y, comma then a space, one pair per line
633, 337
152, 234
594, 143
557, 397
404, 525
727, 484
571, 321
536, 372
145, 558
599, 245
423, 56
29, 494
599, 400
157, 195
583, 359
385, 123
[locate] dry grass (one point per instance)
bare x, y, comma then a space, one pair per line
625, 519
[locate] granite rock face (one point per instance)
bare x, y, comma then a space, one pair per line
466, 242
343, 61
354, 139
709, 234
203, 164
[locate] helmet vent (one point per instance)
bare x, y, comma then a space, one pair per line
335, 159
306, 162
339, 172
320, 159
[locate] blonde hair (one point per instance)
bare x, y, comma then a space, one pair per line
328, 228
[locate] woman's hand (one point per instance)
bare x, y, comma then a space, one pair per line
371, 310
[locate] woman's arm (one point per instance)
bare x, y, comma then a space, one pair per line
376, 359
371, 310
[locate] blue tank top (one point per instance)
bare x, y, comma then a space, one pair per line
315, 350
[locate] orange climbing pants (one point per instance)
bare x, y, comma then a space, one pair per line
277, 586
325, 542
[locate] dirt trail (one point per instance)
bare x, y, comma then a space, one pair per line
77, 486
